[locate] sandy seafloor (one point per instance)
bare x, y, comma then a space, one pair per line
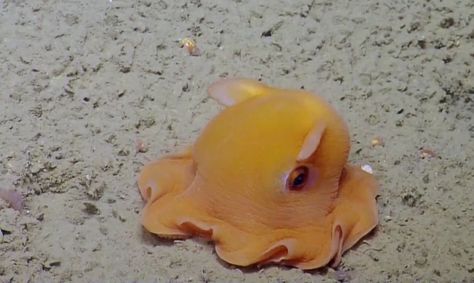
82, 81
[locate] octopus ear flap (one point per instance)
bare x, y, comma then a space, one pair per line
229, 92
311, 141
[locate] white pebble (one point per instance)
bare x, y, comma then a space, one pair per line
367, 168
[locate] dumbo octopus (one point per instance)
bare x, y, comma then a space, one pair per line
267, 181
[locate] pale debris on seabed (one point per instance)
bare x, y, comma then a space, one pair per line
377, 141
140, 146
13, 198
427, 153
190, 45
367, 168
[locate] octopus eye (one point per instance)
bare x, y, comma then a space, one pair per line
298, 178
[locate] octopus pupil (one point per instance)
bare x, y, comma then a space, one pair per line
298, 182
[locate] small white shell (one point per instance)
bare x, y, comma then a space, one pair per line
367, 168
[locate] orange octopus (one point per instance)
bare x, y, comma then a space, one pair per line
267, 181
